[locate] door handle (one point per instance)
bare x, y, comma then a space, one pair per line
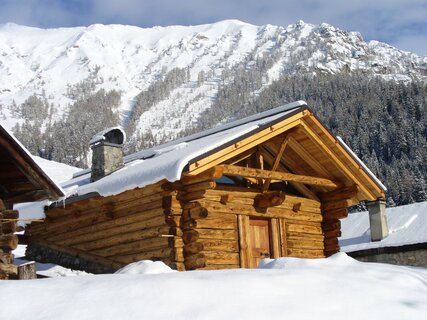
265, 254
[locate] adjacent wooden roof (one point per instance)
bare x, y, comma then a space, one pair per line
21, 179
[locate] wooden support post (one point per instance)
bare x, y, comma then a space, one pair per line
243, 240
27, 271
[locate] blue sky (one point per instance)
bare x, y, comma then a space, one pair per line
401, 23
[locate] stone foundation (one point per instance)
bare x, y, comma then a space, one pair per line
410, 255
45, 254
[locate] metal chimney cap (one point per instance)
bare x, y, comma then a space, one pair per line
114, 135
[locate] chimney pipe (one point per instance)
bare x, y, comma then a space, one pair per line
107, 152
377, 219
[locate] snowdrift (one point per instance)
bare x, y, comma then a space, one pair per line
287, 288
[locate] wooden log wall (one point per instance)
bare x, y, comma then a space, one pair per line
191, 224
8, 241
297, 221
116, 230
210, 238
210, 224
334, 207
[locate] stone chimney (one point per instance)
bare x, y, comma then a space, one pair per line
377, 219
107, 152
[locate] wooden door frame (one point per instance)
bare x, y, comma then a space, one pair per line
276, 234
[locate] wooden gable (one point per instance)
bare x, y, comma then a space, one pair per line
299, 150
21, 179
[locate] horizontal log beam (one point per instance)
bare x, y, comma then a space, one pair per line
217, 209
284, 176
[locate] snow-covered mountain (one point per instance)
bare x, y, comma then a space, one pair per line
130, 59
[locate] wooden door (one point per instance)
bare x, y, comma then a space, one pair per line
259, 241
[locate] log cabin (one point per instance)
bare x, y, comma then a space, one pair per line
21, 180
270, 185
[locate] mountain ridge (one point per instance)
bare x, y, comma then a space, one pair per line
129, 59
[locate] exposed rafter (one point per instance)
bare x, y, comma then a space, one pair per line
300, 187
338, 162
276, 163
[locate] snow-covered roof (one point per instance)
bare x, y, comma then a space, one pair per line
167, 161
52, 188
361, 163
407, 225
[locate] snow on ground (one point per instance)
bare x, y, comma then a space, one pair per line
338, 287
407, 225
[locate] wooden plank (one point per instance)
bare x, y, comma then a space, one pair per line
305, 244
219, 245
302, 229
219, 257
283, 237
217, 234
275, 238
305, 253
243, 227
219, 222
265, 174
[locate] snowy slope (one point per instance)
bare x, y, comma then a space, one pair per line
407, 225
129, 59
287, 288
